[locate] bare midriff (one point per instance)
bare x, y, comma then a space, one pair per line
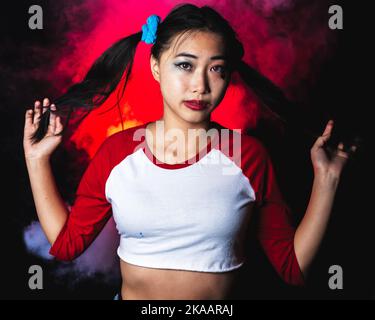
142, 283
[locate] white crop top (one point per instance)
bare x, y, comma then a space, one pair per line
190, 216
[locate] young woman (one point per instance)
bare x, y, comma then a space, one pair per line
181, 208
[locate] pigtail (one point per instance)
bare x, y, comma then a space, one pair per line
270, 95
100, 81
288, 112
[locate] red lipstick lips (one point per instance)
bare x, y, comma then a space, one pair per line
196, 104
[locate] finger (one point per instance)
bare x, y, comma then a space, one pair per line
52, 120
328, 130
45, 105
348, 150
37, 112
59, 126
319, 143
29, 118
342, 154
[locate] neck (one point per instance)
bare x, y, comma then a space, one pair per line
173, 122
194, 140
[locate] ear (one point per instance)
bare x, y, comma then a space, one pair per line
155, 68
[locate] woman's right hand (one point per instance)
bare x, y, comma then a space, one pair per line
45, 147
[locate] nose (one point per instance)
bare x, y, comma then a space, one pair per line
200, 83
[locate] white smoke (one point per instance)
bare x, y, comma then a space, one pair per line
100, 259
36, 241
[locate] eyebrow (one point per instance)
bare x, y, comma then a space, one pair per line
189, 55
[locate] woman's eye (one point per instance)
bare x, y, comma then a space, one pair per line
188, 67
184, 65
219, 69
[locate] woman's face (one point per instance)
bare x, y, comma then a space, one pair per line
193, 68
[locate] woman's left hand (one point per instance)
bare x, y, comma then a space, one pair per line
329, 163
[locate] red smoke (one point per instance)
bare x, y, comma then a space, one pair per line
286, 40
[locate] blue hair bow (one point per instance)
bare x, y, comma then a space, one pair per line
149, 29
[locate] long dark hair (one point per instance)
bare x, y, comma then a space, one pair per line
116, 62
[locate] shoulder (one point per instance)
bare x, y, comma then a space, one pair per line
119, 145
254, 156
126, 138
250, 143
241, 143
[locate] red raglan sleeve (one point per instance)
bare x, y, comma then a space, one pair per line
275, 230
89, 212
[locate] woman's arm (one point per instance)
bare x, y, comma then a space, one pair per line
69, 232
311, 230
327, 172
50, 208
